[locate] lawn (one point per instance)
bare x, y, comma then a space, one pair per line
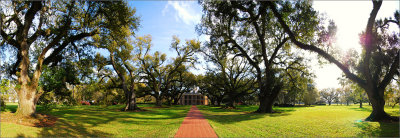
98, 121
318, 121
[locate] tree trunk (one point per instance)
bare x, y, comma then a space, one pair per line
360, 103
131, 103
266, 102
230, 104
347, 103
219, 100
265, 105
26, 101
158, 101
329, 102
378, 112
177, 99
212, 100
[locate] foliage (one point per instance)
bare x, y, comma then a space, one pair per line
158, 74
247, 29
232, 76
209, 85
184, 82
4, 86
60, 29
379, 60
310, 96
54, 81
329, 95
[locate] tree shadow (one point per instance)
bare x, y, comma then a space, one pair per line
20, 135
65, 128
384, 130
228, 116
362, 109
77, 122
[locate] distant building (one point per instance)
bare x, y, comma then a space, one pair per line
193, 99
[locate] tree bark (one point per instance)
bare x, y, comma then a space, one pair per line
177, 99
131, 104
27, 91
378, 105
26, 101
158, 101
219, 100
267, 100
212, 100
230, 104
265, 105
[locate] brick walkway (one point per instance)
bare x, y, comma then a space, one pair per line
194, 125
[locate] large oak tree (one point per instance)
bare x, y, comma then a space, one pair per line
249, 30
379, 59
50, 28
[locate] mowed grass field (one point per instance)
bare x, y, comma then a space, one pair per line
318, 121
98, 121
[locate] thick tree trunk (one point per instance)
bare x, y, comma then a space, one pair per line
26, 101
230, 104
212, 100
177, 99
266, 102
27, 91
329, 103
361, 104
265, 105
378, 113
218, 103
131, 103
219, 100
347, 103
158, 101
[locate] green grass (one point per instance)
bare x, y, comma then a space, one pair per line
318, 121
98, 121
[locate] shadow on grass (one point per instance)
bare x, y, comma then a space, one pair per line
362, 109
384, 129
242, 113
65, 128
79, 121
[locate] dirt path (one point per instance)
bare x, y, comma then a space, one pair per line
194, 125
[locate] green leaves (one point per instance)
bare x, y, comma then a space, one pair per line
4, 86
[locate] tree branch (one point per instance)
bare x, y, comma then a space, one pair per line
313, 48
393, 70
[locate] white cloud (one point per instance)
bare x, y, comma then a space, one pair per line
184, 12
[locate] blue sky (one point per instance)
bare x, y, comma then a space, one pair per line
163, 19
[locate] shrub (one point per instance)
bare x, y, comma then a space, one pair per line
85, 103
46, 106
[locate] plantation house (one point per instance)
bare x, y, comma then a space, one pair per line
193, 98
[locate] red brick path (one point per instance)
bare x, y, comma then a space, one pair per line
194, 125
